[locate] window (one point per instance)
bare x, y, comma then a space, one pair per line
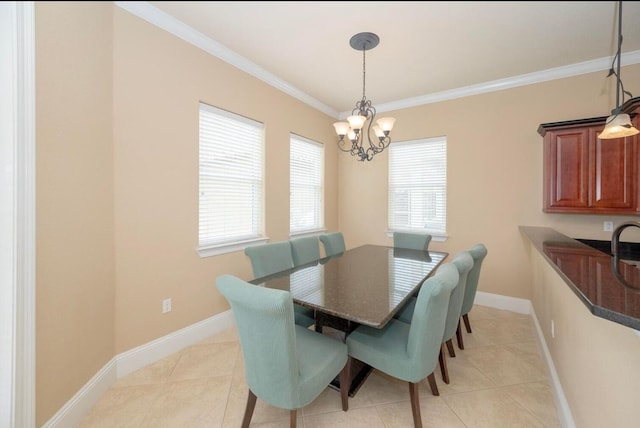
231, 162
418, 186
306, 185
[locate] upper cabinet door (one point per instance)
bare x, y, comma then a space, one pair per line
566, 175
586, 175
614, 168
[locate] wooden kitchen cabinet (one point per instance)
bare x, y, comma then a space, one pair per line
583, 174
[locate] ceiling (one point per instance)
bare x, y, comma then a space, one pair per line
428, 51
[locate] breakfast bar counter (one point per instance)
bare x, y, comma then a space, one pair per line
608, 286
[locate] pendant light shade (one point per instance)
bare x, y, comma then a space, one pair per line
618, 126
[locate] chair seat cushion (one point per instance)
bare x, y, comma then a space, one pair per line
319, 359
385, 349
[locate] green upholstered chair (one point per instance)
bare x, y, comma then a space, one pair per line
464, 262
333, 243
305, 250
411, 241
409, 352
267, 259
286, 365
478, 253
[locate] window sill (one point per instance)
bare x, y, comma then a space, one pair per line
216, 250
435, 237
304, 233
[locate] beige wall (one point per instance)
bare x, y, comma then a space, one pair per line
74, 200
117, 104
158, 82
494, 172
117, 142
596, 359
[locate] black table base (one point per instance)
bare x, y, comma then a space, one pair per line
360, 371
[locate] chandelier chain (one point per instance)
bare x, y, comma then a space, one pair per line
363, 72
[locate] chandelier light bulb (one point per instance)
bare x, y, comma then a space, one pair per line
341, 128
386, 124
356, 122
378, 131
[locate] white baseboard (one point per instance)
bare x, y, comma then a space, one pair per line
76, 409
79, 406
513, 304
564, 411
150, 352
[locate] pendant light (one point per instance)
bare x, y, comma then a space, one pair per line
363, 115
618, 125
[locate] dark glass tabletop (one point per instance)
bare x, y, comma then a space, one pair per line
366, 285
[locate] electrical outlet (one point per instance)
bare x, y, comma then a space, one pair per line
553, 329
166, 306
608, 226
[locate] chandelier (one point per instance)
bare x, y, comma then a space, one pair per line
364, 114
618, 125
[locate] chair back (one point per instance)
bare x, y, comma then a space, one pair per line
265, 322
411, 241
463, 262
478, 253
428, 321
270, 258
333, 243
305, 250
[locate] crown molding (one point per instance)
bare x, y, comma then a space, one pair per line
592, 66
168, 23
154, 16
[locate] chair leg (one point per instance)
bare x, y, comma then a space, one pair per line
465, 318
433, 384
248, 411
415, 404
292, 418
459, 336
443, 365
452, 352
345, 382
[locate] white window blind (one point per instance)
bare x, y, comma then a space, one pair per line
231, 162
418, 186
306, 185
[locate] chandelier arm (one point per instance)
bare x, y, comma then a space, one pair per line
342, 144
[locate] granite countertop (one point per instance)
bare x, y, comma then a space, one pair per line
610, 288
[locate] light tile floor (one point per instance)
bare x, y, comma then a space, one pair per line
498, 380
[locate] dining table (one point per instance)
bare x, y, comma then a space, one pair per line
364, 285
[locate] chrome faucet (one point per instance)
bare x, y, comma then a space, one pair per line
615, 238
